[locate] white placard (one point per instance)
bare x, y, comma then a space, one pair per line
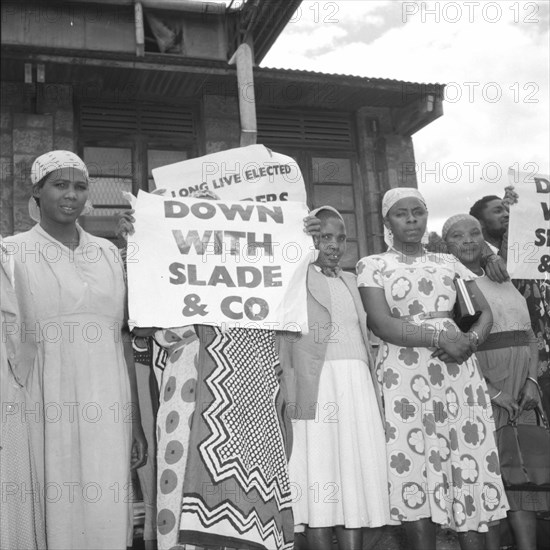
217, 262
246, 173
529, 227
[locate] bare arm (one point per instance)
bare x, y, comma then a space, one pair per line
454, 346
494, 265
484, 324
529, 395
389, 328
139, 443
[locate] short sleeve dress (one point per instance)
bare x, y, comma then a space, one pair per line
442, 457
80, 409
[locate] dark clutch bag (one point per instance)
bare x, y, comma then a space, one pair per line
465, 312
524, 451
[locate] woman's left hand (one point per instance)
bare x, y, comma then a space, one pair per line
139, 447
312, 226
125, 224
529, 396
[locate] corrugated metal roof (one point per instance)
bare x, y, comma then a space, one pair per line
352, 78
172, 78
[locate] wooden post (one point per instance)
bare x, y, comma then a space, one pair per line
140, 34
28, 73
244, 59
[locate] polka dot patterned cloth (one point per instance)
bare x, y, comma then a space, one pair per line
177, 404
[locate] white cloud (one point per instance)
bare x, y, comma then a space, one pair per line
479, 59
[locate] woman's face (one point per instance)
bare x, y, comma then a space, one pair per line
331, 242
464, 240
63, 195
407, 220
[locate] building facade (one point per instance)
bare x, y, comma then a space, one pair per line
131, 86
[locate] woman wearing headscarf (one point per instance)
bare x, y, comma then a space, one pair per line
338, 464
71, 290
443, 462
508, 361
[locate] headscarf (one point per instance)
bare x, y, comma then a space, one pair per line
46, 164
453, 220
390, 198
56, 160
321, 208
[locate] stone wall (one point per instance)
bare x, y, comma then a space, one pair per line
400, 159
34, 119
386, 160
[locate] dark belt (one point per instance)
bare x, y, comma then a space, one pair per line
505, 339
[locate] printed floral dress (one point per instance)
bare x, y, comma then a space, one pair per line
441, 451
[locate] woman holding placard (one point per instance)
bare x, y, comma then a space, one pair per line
338, 464
223, 436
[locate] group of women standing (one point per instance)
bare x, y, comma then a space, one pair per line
407, 438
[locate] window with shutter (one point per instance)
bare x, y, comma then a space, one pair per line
121, 144
323, 145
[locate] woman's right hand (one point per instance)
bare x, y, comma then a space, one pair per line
506, 401
312, 226
455, 344
125, 224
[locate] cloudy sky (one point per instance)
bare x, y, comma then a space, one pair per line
493, 56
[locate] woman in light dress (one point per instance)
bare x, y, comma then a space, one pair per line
338, 463
71, 290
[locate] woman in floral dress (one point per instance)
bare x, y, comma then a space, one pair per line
442, 457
